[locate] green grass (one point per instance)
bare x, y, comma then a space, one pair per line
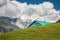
45, 32
0, 35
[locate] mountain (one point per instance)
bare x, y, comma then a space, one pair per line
58, 21
6, 25
44, 32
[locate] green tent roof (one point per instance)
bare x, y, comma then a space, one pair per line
38, 22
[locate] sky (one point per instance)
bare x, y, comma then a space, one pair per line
55, 2
14, 9
43, 10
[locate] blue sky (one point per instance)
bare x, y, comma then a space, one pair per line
55, 2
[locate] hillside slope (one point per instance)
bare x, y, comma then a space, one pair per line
45, 32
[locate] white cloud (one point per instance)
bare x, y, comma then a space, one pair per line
15, 9
3, 2
48, 5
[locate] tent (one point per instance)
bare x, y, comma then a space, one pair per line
38, 23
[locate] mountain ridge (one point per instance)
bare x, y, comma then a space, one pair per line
6, 25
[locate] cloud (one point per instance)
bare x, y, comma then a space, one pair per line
3, 2
48, 5
14, 9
